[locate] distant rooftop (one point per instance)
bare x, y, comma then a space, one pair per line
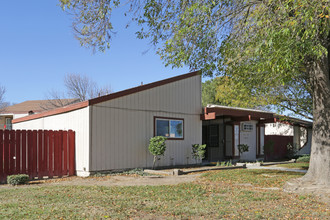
36, 106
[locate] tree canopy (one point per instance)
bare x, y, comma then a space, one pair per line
264, 47
209, 92
225, 91
276, 49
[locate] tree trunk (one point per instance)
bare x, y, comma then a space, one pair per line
154, 162
319, 168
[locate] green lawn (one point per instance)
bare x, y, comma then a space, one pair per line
298, 165
227, 194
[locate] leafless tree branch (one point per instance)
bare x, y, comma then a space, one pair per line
3, 104
78, 88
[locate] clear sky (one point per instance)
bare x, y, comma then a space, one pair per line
37, 48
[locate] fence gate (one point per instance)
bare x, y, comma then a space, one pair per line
38, 153
279, 148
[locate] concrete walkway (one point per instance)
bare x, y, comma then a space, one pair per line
277, 168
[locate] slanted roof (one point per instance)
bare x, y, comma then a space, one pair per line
36, 106
111, 96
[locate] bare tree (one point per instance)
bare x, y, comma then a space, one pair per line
78, 88
56, 99
3, 104
83, 88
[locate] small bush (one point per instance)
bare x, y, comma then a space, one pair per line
291, 150
243, 148
137, 171
157, 147
224, 163
18, 179
304, 158
198, 151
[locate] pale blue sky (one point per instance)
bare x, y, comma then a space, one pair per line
37, 49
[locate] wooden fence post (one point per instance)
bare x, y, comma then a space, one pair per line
46, 153
24, 152
51, 154
40, 167
71, 153
6, 153
65, 153
12, 149
18, 152
2, 174
30, 153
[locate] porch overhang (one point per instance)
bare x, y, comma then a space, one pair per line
208, 116
212, 112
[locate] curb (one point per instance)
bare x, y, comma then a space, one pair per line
276, 163
177, 172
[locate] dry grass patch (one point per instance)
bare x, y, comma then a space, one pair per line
260, 178
298, 165
216, 195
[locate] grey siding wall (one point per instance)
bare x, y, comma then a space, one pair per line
122, 127
77, 121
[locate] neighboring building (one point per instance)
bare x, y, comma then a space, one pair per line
278, 128
300, 131
113, 131
28, 107
226, 127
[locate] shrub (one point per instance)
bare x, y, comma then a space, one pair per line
198, 151
304, 159
225, 163
157, 147
291, 150
242, 148
137, 171
17, 179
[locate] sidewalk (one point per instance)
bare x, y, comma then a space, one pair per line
277, 168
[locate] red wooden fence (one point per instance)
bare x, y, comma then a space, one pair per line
37, 153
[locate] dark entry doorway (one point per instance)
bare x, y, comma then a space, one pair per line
212, 137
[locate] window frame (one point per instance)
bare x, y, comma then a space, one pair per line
9, 125
169, 119
248, 127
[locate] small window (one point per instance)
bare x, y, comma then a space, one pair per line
8, 121
169, 127
247, 127
8, 124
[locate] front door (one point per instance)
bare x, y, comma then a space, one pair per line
211, 139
